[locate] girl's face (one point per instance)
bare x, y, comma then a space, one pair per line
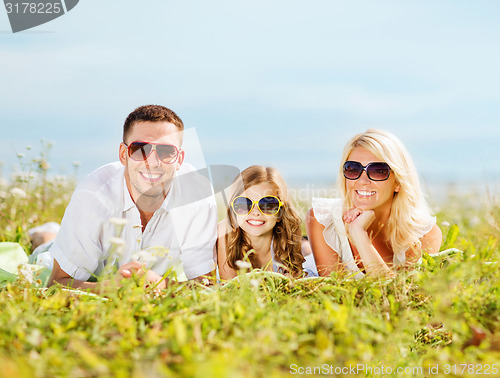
367, 194
256, 223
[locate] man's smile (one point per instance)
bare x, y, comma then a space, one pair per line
151, 177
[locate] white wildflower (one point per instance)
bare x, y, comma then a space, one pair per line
243, 264
117, 241
445, 224
35, 338
28, 147
18, 192
26, 272
117, 245
20, 155
43, 165
159, 251
76, 163
118, 221
144, 256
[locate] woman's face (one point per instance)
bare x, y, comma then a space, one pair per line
256, 223
367, 194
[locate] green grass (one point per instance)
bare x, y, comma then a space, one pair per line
447, 312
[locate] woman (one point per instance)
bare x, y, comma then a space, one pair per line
261, 225
382, 220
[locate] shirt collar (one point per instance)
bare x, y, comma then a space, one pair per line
127, 199
164, 206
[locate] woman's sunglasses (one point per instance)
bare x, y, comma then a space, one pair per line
374, 171
268, 205
139, 151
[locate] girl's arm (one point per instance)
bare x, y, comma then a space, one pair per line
327, 259
358, 222
225, 272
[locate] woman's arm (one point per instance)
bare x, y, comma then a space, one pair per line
429, 243
225, 272
358, 222
327, 259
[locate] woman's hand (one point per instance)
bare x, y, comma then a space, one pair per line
358, 220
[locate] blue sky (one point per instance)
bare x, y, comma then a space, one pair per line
282, 83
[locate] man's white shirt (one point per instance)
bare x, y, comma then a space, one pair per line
181, 231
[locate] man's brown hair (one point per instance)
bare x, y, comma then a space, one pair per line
151, 113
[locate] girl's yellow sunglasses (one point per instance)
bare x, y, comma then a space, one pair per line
268, 205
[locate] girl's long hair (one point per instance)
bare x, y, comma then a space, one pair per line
410, 215
287, 235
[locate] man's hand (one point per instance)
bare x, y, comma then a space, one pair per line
129, 269
135, 268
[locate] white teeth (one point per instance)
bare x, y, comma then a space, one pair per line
255, 223
365, 193
151, 176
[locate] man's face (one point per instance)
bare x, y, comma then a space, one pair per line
150, 177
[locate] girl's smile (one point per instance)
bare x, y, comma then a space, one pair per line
256, 224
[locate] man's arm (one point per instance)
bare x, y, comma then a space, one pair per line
125, 271
61, 277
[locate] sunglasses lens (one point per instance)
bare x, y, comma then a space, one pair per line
167, 153
269, 205
352, 170
378, 171
139, 151
242, 205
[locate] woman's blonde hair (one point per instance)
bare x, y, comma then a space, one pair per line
287, 235
410, 215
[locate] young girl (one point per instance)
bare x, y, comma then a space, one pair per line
382, 220
260, 219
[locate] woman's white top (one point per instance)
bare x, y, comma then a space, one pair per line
328, 212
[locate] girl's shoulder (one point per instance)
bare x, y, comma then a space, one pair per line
327, 210
222, 228
222, 224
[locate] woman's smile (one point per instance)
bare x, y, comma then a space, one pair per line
368, 194
365, 193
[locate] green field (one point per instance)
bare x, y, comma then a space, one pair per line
442, 319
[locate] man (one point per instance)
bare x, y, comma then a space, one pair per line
167, 213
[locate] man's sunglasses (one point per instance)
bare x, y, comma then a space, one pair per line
139, 151
374, 171
268, 205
